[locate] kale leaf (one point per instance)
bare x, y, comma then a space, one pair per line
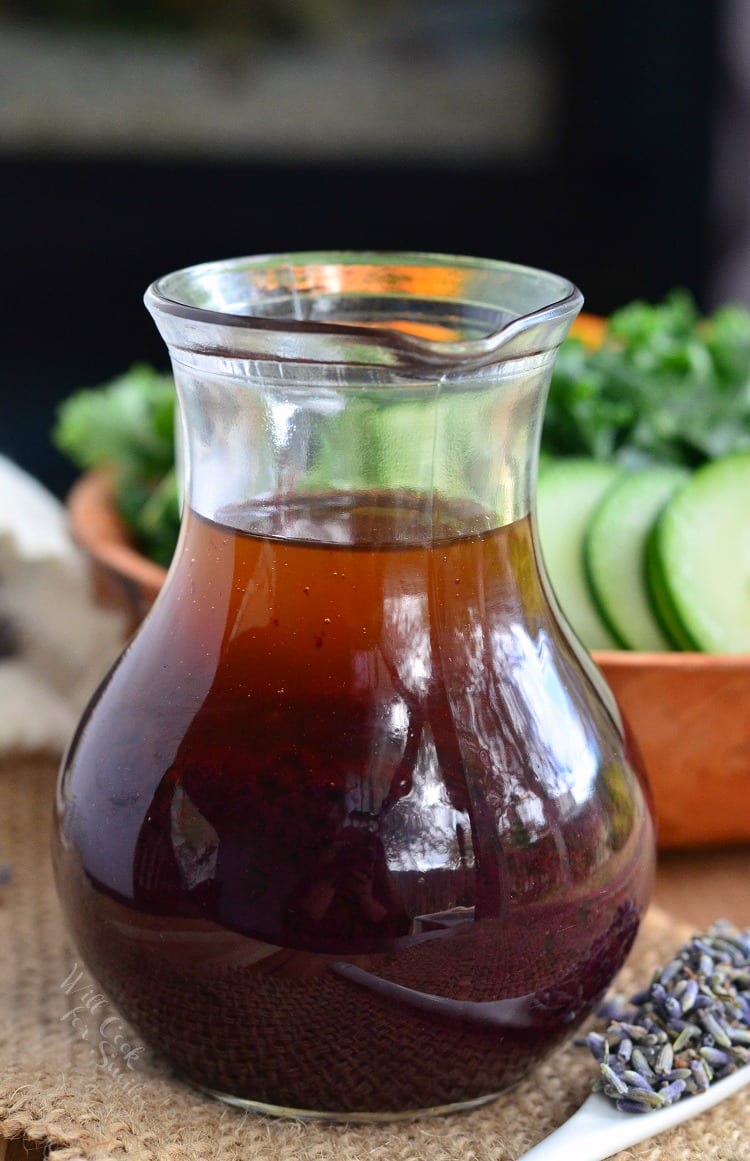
665, 386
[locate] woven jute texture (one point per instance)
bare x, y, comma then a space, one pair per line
54, 1089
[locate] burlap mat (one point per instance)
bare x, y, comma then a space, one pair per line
54, 1090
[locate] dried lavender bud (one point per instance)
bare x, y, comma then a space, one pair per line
689, 995
598, 1045
691, 1025
733, 950
701, 1074
635, 1080
670, 971
627, 1105
716, 1057
634, 1032
673, 1091
613, 1081
640, 1063
664, 1060
715, 1029
713, 953
648, 1098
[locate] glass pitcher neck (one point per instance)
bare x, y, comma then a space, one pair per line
416, 380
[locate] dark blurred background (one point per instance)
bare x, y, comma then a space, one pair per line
144, 135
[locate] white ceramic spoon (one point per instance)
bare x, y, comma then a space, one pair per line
599, 1129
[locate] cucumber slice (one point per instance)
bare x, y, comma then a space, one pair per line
660, 600
702, 549
615, 555
568, 493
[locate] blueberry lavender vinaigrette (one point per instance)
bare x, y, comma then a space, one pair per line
352, 828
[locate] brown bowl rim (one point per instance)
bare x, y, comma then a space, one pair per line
99, 530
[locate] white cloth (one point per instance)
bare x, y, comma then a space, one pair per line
56, 642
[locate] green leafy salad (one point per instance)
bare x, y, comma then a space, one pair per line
644, 484
126, 427
665, 386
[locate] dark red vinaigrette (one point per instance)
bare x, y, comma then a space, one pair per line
347, 829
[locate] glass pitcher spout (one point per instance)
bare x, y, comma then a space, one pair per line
406, 311
352, 829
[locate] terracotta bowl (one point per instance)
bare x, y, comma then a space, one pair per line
689, 712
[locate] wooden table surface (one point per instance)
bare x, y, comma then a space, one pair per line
696, 886
700, 886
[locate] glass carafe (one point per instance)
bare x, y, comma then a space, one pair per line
352, 829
